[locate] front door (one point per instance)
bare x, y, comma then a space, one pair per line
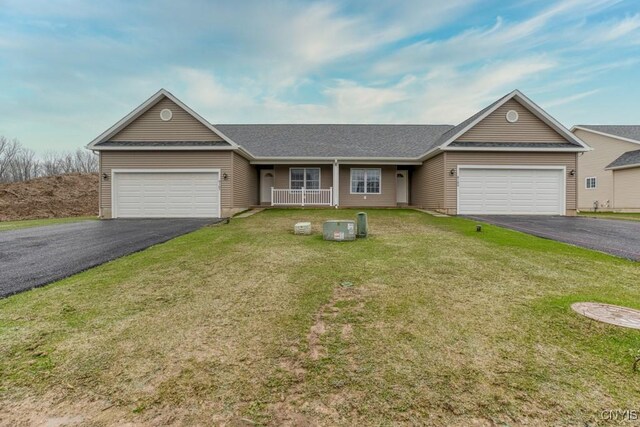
266, 182
402, 186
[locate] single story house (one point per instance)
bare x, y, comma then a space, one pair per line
609, 176
165, 160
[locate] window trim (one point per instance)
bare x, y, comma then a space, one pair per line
305, 178
365, 181
595, 182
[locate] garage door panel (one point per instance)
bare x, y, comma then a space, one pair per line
166, 194
510, 191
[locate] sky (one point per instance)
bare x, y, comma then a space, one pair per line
70, 69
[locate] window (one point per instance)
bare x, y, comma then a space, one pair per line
590, 183
308, 178
365, 181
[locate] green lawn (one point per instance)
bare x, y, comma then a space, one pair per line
13, 225
632, 216
248, 323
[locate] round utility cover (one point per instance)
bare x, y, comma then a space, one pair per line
607, 313
512, 116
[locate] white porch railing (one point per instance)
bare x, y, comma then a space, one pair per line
301, 197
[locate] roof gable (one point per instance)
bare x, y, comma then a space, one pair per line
144, 124
628, 133
150, 127
496, 128
630, 159
480, 127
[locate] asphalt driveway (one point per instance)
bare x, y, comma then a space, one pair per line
615, 237
32, 257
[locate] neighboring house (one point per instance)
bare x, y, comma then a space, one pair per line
164, 160
609, 175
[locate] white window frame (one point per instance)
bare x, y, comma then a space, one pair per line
595, 182
365, 180
305, 178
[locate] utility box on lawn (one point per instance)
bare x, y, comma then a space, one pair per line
363, 225
303, 228
339, 230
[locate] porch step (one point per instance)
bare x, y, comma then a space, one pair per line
249, 213
432, 213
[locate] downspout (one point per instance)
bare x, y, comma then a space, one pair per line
336, 183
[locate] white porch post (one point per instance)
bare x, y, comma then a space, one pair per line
336, 183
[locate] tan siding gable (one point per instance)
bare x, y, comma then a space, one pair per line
496, 128
182, 126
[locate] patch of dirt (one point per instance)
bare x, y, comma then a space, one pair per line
57, 196
347, 332
294, 409
49, 411
315, 349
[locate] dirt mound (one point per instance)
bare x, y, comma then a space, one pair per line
50, 197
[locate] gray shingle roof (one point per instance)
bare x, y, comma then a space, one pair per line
623, 131
626, 159
396, 141
164, 144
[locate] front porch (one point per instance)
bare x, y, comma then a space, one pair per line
301, 197
335, 184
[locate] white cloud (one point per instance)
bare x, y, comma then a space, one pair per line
445, 97
569, 99
615, 30
298, 62
503, 39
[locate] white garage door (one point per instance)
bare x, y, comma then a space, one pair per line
166, 194
503, 191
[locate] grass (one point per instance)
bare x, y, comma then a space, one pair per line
631, 216
425, 322
14, 225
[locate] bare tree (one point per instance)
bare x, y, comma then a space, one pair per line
85, 161
18, 163
25, 165
8, 151
50, 164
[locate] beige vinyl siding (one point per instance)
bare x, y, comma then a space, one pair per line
281, 178
496, 128
165, 160
626, 189
182, 126
593, 164
244, 179
427, 185
454, 159
388, 188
